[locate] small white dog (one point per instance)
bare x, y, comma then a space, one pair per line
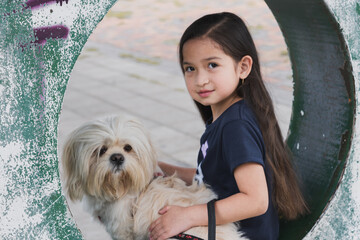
111, 164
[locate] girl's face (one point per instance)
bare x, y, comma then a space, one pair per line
211, 76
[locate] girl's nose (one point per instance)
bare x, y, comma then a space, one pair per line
202, 78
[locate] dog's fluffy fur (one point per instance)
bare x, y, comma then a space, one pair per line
110, 164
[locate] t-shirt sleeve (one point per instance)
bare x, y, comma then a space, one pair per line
242, 143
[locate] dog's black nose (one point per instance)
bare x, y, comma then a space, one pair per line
117, 159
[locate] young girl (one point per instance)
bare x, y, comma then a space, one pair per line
243, 157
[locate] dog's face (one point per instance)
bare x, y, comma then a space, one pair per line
108, 159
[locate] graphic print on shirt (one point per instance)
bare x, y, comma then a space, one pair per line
199, 175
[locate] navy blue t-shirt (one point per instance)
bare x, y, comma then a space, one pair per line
234, 138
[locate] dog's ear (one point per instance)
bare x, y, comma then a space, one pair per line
73, 183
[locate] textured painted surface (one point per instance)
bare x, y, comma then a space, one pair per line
322, 121
39, 43
341, 219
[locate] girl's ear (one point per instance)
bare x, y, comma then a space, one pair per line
245, 66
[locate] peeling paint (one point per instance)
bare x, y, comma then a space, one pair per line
39, 44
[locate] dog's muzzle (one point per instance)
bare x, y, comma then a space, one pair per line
117, 159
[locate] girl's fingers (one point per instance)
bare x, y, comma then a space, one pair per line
158, 174
152, 226
156, 232
163, 210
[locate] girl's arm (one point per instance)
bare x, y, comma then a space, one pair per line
186, 174
252, 201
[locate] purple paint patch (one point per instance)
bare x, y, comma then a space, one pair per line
54, 32
41, 36
36, 3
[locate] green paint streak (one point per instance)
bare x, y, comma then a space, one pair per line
119, 15
284, 53
28, 119
91, 49
358, 8
34, 80
173, 42
139, 59
178, 3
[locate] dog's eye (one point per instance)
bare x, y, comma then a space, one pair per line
127, 148
103, 150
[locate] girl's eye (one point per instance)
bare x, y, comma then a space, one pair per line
189, 69
103, 150
212, 65
127, 148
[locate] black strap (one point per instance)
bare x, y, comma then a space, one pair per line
186, 236
211, 220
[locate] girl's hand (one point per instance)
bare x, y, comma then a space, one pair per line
173, 220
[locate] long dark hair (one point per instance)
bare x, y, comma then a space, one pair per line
231, 34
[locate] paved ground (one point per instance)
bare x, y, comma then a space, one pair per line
129, 66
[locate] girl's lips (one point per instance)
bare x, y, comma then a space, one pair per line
205, 93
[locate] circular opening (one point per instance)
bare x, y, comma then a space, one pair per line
129, 66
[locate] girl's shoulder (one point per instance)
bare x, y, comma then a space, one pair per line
240, 111
240, 118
